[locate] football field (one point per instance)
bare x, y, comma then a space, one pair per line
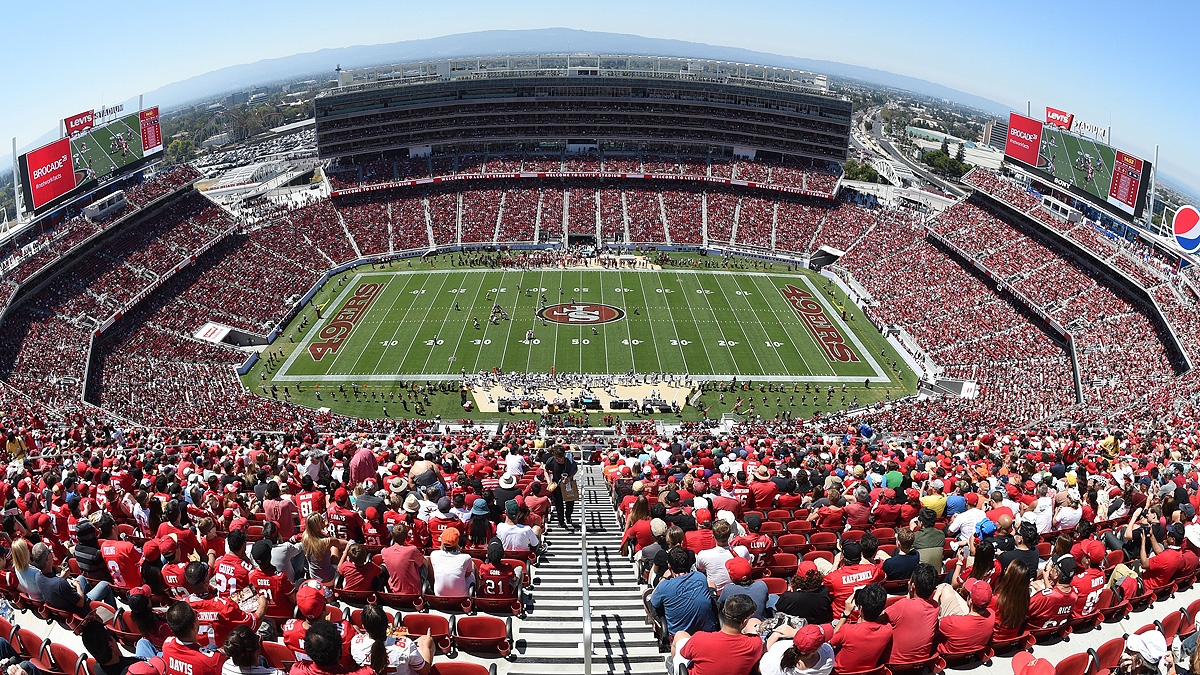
384, 326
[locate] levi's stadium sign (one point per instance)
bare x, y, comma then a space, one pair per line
1059, 118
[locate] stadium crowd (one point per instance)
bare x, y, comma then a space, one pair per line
941, 548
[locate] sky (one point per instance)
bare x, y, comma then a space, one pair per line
1128, 65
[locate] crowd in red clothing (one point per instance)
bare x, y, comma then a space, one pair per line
981, 538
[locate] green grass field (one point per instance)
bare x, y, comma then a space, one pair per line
99, 143
1061, 156
711, 324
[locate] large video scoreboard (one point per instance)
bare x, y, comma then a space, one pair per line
1100, 174
88, 157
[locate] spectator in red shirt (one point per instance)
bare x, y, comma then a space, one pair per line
231, 573
763, 490
216, 614
123, 560
271, 583
359, 572
280, 511
851, 576
1053, 598
861, 645
311, 500
344, 522
759, 546
1089, 582
172, 528
1166, 564
858, 512
914, 619
496, 578
971, 630
182, 652
728, 651
829, 517
637, 527
887, 511
404, 563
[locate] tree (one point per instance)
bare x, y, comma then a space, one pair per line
958, 156
181, 150
863, 172
945, 146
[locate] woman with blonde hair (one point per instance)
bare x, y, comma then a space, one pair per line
319, 548
26, 575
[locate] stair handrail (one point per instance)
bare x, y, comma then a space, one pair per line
583, 584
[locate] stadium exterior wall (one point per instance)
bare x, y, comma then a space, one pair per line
630, 110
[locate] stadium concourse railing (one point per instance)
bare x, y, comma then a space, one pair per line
1089, 258
603, 175
46, 273
1021, 298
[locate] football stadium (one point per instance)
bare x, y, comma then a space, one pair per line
549, 363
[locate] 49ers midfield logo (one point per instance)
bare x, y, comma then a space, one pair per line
581, 313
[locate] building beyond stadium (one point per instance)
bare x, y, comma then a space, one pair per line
580, 102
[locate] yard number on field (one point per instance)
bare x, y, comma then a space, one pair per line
631, 342
484, 341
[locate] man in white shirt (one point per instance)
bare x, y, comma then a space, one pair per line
963, 524
428, 506
514, 463
453, 570
516, 536
712, 561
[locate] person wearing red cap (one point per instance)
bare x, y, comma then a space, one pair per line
1025, 663
970, 626
806, 651
742, 582
887, 510
171, 527
344, 522
1089, 580
728, 651
172, 572
310, 603
699, 538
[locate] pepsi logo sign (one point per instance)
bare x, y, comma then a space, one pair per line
581, 313
1186, 226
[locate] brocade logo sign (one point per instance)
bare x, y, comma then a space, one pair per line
53, 166
1023, 135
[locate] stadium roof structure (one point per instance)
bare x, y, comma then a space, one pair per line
585, 65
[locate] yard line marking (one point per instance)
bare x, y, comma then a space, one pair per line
700, 335
766, 333
798, 329
444, 322
607, 365
678, 342
382, 322
629, 324
463, 332
417, 333
650, 323
721, 325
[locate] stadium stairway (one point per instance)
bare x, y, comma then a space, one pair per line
550, 638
